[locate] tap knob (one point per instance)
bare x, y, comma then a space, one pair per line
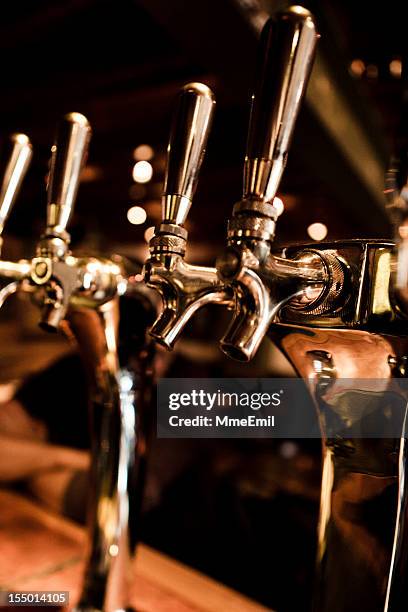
18, 157
286, 52
67, 160
188, 138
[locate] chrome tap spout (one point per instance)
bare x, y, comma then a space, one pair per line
262, 283
184, 288
262, 290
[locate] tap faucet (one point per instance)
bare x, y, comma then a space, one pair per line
81, 296
338, 311
67, 280
17, 156
184, 288
264, 282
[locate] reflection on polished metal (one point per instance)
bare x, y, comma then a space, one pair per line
66, 279
342, 324
338, 311
82, 294
188, 139
262, 283
184, 288
286, 54
67, 160
17, 157
18, 160
396, 191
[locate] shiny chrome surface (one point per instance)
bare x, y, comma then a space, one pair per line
73, 281
18, 159
261, 292
183, 288
7, 291
65, 279
251, 281
396, 191
285, 60
96, 334
67, 160
18, 156
15, 270
81, 295
263, 283
188, 139
333, 308
119, 399
361, 478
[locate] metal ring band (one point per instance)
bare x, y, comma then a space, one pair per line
256, 206
167, 243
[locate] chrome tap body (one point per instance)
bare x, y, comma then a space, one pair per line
337, 310
184, 288
335, 313
81, 296
262, 282
17, 158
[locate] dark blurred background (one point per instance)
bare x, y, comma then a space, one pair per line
121, 62
244, 512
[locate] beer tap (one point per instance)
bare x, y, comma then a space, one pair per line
18, 160
262, 281
80, 295
184, 288
338, 311
18, 157
66, 279
83, 292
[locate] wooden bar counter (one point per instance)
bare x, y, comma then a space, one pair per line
42, 551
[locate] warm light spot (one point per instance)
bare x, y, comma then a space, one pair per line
372, 71
143, 152
142, 172
357, 68
136, 215
90, 174
396, 68
278, 206
317, 231
149, 233
288, 449
113, 550
22, 139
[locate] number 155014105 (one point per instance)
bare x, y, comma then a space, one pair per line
33, 598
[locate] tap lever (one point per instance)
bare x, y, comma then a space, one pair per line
67, 160
286, 52
188, 138
18, 157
